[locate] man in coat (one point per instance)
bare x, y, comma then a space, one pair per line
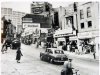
68, 67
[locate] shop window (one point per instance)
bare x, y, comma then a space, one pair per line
81, 14
89, 24
88, 12
82, 25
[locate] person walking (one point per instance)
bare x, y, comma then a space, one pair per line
94, 55
5, 45
18, 55
68, 67
64, 47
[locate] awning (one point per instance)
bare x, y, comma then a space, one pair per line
61, 39
64, 31
73, 38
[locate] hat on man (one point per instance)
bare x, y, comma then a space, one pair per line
70, 59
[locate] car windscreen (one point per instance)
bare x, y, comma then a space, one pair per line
59, 52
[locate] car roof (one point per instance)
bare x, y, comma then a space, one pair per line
53, 49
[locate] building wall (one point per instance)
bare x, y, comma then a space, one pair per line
91, 33
7, 12
55, 18
41, 8
61, 13
14, 16
45, 22
67, 31
94, 17
17, 20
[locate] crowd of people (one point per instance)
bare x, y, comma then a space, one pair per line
27, 41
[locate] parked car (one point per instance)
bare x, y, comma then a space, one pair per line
15, 44
8, 42
53, 55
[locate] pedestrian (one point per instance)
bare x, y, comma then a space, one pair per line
68, 67
5, 45
94, 55
64, 47
18, 55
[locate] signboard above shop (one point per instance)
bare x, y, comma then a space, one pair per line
31, 25
27, 19
88, 34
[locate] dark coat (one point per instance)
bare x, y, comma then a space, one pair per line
64, 47
19, 54
7, 42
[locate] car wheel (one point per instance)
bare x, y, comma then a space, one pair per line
51, 61
41, 57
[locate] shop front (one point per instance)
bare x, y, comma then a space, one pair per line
89, 42
62, 38
73, 44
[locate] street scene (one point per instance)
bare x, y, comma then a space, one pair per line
50, 39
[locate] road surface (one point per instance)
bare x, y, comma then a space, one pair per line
32, 65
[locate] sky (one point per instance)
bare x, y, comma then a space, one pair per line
24, 6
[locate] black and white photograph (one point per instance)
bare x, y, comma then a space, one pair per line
50, 37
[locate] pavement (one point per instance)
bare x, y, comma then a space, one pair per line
88, 57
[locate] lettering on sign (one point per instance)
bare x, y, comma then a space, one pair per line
32, 26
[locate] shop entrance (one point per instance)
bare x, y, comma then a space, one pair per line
87, 45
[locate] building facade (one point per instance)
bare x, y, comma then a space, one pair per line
14, 16
17, 20
88, 26
67, 31
38, 22
41, 8
7, 12
79, 27
36, 26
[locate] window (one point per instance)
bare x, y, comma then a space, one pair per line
88, 12
50, 52
81, 14
82, 25
89, 24
5, 11
59, 52
9, 11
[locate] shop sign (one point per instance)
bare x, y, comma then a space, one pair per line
31, 25
71, 33
64, 31
88, 34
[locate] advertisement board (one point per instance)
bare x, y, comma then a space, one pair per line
30, 28
31, 25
